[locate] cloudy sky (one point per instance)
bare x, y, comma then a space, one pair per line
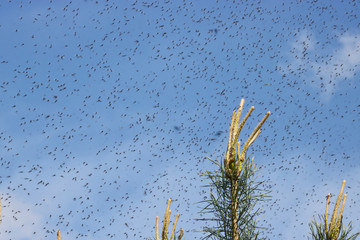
109, 108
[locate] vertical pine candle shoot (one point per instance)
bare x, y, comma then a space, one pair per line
234, 158
166, 222
58, 235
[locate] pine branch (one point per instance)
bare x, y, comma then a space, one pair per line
334, 230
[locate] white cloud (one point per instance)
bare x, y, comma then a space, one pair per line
350, 53
324, 70
17, 214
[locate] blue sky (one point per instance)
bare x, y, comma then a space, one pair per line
109, 108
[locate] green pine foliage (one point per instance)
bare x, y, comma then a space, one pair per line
248, 194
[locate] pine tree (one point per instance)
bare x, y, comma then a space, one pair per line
234, 191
